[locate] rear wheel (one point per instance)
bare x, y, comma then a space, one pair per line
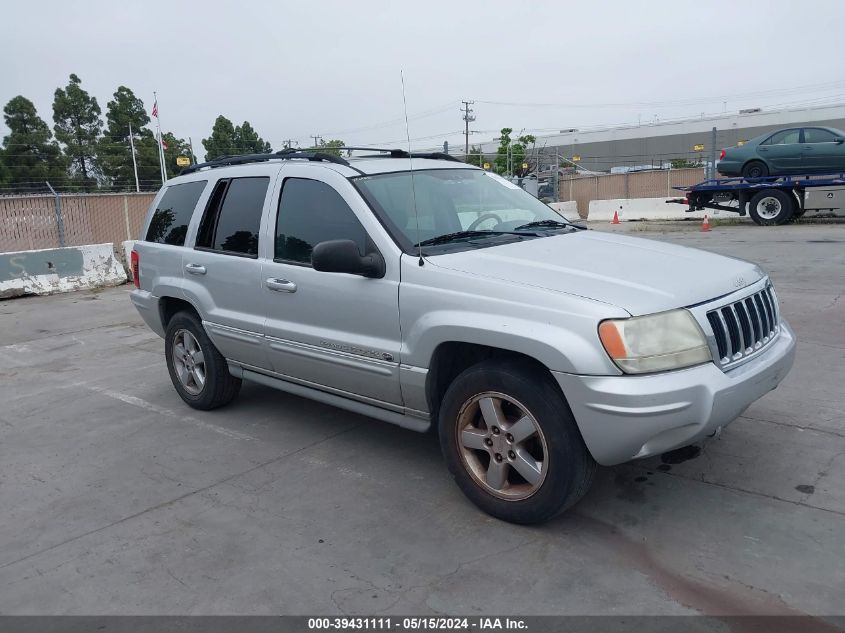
511, 443
197, 370
755, 169
771, 206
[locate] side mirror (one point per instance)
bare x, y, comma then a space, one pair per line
839, 139
341, 256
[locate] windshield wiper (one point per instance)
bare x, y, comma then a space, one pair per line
554, 224
461, 235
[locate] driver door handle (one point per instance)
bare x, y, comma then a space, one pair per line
195, 269
280, 285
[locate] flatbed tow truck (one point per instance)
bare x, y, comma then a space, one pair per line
771, 199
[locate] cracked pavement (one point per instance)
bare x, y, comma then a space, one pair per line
117, 498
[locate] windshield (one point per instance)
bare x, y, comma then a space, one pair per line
454, 201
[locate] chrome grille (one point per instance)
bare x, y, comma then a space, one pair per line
743, 327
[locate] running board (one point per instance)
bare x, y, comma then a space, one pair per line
405, 420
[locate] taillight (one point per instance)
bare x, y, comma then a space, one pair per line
136, 264
722, 155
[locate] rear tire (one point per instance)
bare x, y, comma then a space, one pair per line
755, 169
511, 442
772, 206
198, 371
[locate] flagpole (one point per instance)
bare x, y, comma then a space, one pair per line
160, 148
134, 162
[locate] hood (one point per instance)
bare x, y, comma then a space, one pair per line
638, 275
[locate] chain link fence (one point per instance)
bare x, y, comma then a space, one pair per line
47, 221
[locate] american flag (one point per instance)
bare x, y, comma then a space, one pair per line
155, 109
163, 145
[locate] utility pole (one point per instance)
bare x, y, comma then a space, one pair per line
468, 118
317, 138
288, 143
712, 170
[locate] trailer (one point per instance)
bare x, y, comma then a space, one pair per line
771, 199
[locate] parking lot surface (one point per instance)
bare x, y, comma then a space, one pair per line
118, 498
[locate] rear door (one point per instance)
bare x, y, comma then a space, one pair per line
334, 331
782, 151
223, 272
821, 152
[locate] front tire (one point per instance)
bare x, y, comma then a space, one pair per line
511, 442
197, 369
772, 206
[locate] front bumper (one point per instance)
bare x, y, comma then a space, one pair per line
628, 417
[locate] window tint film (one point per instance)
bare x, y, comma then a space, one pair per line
785, 137
169, 223
239, 218
818, 135
311, 212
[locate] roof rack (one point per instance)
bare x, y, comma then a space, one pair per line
401, 153
285, 154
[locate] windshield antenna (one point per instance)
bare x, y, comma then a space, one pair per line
411, 164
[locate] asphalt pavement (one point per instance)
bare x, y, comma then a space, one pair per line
116, 498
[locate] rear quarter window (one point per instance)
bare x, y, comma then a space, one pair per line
169, 224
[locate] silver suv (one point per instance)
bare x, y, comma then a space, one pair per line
429, 293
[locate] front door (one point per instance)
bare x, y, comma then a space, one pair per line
333, 331
821, 151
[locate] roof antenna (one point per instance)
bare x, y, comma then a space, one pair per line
411, 163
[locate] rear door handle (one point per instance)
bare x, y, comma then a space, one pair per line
280, 285
195, 269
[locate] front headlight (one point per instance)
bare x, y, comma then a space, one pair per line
657, 342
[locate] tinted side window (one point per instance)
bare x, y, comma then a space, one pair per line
169, 223
311, 212
233, 218
784, 137
818, 135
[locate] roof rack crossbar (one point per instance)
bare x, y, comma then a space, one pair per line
285, 154
401, 153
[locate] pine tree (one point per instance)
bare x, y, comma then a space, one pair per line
248, 142
30, 156
222, 139
126, 110
76, 115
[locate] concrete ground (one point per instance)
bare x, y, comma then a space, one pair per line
117, 498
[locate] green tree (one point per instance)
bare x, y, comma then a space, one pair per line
511, 155
222, 139
76, 115
126, 110
329, 147
503, 151
519, 154
228, 140
29, 155
247, 140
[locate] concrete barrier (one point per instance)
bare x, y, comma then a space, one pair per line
650, 209
126, 254
59, 270
568, 210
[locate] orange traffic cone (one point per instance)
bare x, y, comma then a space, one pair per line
615, 217
705, 226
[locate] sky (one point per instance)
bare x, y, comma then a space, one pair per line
332, 68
